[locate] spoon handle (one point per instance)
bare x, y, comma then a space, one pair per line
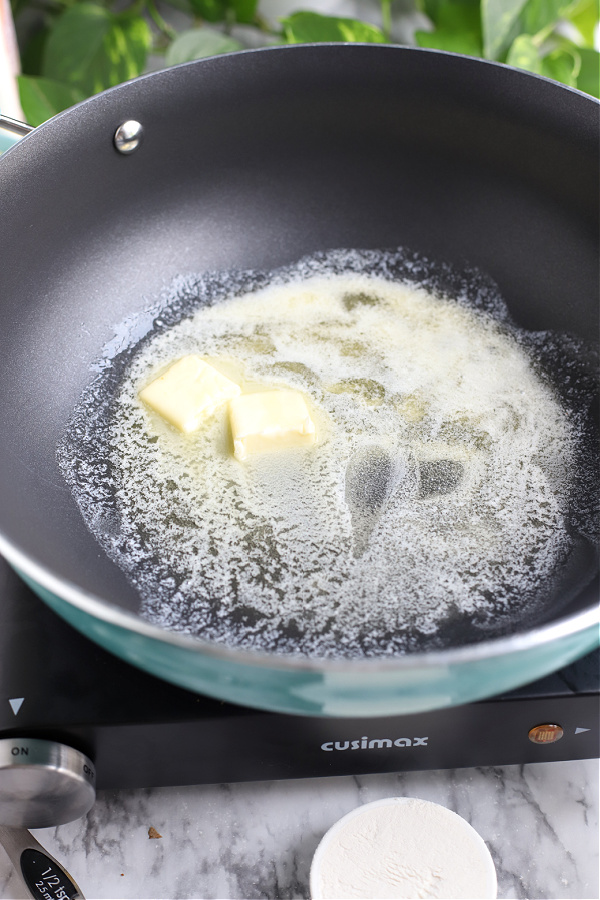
43, 876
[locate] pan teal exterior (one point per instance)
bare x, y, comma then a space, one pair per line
432, 681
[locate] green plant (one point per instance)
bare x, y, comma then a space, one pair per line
71, 49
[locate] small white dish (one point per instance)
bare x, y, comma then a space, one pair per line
402, 847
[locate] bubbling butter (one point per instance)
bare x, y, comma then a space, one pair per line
436, 496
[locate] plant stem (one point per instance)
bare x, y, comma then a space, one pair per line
262, 25
229, 21
158, 20
386, 17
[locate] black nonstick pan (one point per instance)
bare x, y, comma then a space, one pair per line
253, 161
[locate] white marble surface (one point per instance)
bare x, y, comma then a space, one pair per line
256, 840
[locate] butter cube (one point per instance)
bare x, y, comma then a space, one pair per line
189, 391
270, 420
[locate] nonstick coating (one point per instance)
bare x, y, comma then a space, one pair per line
252, 161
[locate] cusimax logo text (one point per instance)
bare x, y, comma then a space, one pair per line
365, 743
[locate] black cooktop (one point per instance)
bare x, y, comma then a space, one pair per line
143, 732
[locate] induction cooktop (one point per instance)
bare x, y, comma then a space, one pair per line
139, 731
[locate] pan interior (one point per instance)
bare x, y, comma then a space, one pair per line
253, 161
442, 505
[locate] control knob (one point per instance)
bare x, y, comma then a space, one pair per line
43, 783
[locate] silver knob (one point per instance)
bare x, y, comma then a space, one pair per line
43, 783
128, 136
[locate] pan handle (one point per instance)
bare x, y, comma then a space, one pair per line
12, 131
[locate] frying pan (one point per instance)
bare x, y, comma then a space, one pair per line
251, 161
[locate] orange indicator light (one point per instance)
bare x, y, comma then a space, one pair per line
546, 734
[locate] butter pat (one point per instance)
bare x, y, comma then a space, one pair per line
189, 391
270, 420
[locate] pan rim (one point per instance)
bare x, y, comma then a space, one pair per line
343, 47
347, 46
109, 613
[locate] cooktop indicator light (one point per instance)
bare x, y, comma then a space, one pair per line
545, 734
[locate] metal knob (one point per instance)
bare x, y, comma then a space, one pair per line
43, 783
128, 136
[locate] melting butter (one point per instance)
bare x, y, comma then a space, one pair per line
437, 491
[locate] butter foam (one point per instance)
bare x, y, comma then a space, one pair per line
438, 496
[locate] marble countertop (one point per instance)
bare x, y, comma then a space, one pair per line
256, 840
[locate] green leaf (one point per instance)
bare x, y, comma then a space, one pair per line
17, 7
245, 11
465, 43
503, 21
588, 79
32, 53
309, 27
432, 9
211, 10
242, 11
541, 15
562, 64
42, 98
498, 21
524, 54
94, 48
198, 43
458, 27
132, 40
585, 19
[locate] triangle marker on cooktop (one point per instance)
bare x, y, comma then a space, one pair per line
581, 730
16, 704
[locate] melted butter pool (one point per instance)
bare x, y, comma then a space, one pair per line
437, 492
